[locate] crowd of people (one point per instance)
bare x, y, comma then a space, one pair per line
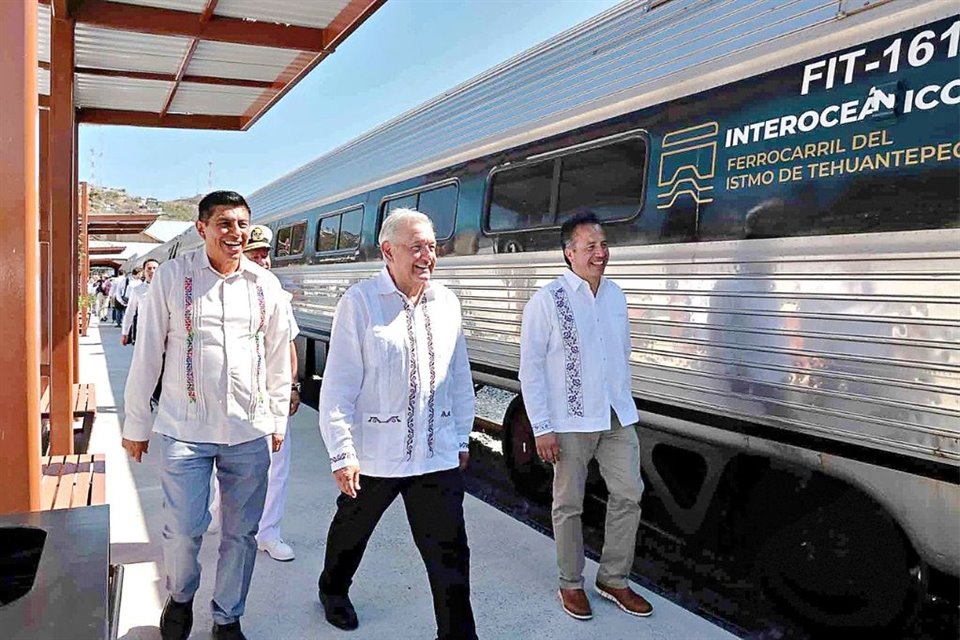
213, 376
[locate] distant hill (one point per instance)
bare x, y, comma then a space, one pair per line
110, 200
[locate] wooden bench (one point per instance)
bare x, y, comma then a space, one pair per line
73, 481
84, 410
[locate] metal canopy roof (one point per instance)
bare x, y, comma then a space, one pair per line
119, 223
211, 64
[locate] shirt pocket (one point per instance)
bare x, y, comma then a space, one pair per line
445, 434
390, 363
385, 436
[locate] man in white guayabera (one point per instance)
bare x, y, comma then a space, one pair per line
396, 412
575, 381
216, 325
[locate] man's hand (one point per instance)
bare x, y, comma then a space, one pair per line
294, 401
277, 442
548, 447
136, 448
464, 460
348, 479
124, 340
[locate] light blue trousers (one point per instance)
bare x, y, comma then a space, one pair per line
242, 474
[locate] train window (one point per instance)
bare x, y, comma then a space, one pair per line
327, 234
520, 197
340, 231
607, 180
406, 202
350, 225
440, 205
290, 240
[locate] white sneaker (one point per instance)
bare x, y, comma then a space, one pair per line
278, 550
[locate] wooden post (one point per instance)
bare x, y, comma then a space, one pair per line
45, 224
19, 358
62, 238
84, 259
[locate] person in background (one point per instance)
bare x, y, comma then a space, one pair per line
576, 387
128, 328
216, 325
268, 535
103, 298
118, 289
396, 412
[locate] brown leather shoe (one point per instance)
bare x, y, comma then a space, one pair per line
575, 603
626, 599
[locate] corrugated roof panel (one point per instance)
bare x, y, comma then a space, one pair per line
224, 100
228, 60
618, 54
305, 13
193, 6
121, 93
43, 32
43, 82
128, 51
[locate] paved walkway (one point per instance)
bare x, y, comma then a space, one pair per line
513, 566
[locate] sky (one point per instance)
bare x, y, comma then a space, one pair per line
408, 52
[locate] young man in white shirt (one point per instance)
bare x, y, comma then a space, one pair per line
216, 325
396, 410
128, 328
575, 381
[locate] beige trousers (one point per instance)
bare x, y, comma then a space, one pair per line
617, 451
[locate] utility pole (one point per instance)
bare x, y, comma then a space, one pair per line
209, 176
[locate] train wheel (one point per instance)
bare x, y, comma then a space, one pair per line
531, 477
843, 565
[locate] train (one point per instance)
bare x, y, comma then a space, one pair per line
779, 182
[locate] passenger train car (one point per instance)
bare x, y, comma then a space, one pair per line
780, 185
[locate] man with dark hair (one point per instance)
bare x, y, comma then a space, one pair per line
128, 328
576, 386
215, 324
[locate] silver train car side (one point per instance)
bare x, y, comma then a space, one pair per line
780, 185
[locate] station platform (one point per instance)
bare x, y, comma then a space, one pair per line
513, 568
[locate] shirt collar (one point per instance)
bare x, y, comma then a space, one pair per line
386, 286
201, 261
575, 282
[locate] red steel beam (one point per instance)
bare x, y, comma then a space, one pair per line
153, 119
19, 359
346, 22
142, 19
170, 77
187, 57
62, 160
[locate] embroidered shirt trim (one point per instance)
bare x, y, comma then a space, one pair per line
188, 327
571, 349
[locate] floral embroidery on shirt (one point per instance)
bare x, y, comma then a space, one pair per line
258, 341
188, 327
433, 380
413, 380
540, 427
340, 456
571, 350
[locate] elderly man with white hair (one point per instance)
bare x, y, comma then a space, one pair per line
396, 415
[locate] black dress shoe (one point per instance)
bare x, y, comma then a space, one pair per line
339, 611
176, 620
228, 631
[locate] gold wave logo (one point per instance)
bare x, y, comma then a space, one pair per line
687, 164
